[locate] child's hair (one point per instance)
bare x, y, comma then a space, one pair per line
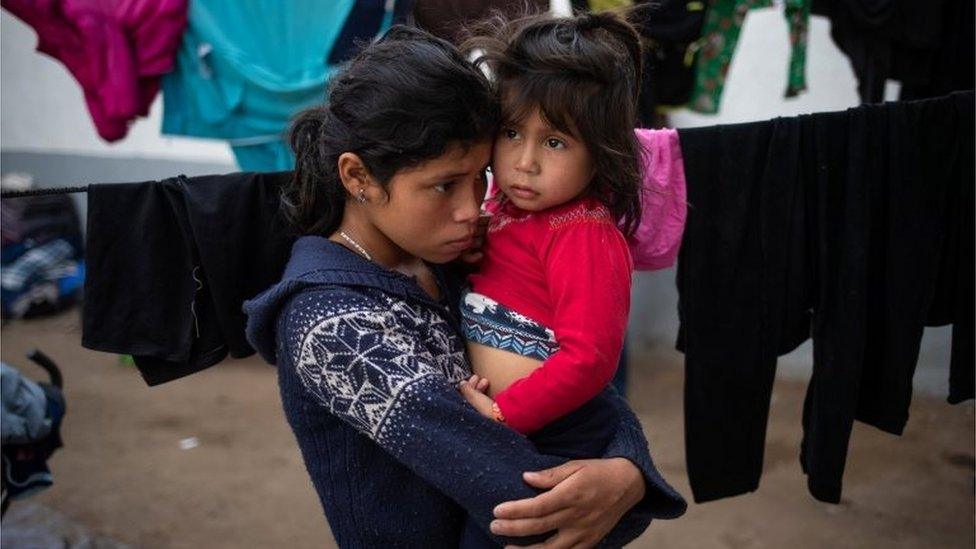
584, 75
401, 101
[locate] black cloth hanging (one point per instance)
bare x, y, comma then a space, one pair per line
170, 262
362, 24
854, 227
953, 67
667, 29
927, 46
743, 285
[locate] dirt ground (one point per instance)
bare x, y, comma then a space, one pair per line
123, 478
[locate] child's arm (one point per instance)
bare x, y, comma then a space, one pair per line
588, 270
475, 391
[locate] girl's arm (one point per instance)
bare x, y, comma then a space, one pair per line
366, 365
385, 386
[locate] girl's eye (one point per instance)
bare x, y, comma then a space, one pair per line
443, 187
510, 133
554, 143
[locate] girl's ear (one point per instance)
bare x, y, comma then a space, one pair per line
353, 173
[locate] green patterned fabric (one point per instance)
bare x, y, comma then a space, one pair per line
720, 35
604, 5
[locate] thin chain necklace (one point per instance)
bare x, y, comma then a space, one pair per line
356, 245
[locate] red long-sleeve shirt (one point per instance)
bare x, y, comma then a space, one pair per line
568, 268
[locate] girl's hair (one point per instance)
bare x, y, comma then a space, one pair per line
584, 74
401, 101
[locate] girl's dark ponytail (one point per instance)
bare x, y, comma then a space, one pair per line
314, 200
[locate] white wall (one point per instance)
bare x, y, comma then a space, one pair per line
757, 77
42, 109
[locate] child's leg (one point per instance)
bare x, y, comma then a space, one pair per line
581, 434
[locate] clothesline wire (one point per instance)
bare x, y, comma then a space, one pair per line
43, 192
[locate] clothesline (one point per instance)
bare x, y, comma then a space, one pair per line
44, 192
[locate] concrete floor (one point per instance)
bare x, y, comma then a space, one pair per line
124, 480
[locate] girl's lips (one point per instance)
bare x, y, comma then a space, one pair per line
522, 192
462, 244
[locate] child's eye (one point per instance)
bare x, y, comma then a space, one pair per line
554, 143
510, 133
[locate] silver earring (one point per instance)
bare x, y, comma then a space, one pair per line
361, 197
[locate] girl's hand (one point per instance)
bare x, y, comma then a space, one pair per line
474, 254
474, 390
584, 501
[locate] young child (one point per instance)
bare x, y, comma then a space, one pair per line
546, 314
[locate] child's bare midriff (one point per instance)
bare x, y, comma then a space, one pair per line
500, 368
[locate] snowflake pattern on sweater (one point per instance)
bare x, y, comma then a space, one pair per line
359, 357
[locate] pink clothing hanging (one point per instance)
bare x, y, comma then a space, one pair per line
116, 50
656, 242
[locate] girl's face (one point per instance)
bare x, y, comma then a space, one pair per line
537, 166
432, 209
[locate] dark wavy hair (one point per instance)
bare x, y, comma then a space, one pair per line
584, 75
401, 101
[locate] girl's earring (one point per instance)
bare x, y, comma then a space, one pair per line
361, 197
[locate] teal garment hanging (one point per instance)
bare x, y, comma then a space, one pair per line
246, 66
274, 156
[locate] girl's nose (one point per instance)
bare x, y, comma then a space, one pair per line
526, 161
468, 207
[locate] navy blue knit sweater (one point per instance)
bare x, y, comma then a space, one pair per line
368, 365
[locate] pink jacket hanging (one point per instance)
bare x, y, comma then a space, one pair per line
116, 50
656, 242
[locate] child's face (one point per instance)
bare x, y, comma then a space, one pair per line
537, 166
432, 209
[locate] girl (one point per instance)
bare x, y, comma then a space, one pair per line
364, 328
546, 313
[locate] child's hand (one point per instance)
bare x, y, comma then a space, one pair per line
474, 391
474, 254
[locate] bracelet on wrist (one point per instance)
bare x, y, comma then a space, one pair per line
496, 413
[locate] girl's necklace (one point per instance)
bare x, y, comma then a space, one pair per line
368, 257
356, 245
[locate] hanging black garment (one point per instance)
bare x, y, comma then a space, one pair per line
885, 177
955, 292
848, 216
667, 29
924, 45
170, 262
953, 67
362, 24
743, 293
